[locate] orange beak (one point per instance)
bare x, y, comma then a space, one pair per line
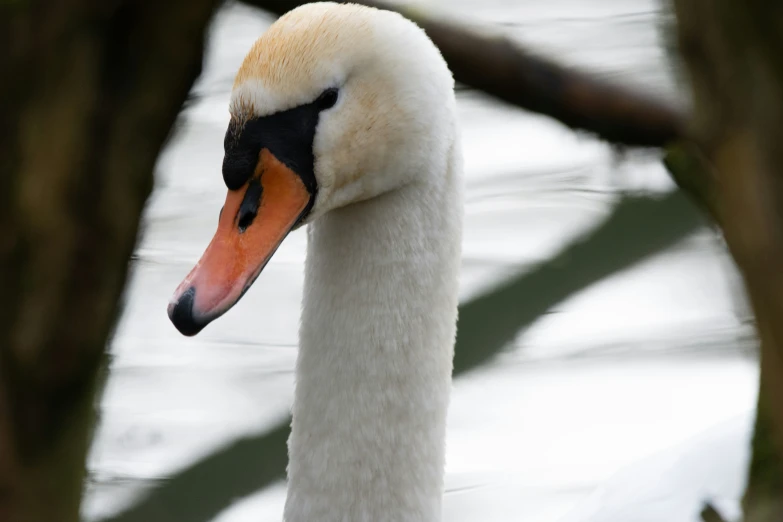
254, 221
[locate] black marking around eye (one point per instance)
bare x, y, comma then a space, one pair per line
287, 134
239, 161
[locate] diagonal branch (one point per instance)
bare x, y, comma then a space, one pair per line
502, 68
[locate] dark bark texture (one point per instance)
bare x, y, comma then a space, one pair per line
90, 91
734, 56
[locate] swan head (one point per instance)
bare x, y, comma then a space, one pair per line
334, 104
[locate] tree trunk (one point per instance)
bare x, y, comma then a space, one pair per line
734, 55
88, 95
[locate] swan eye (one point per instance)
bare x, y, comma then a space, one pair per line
327, 99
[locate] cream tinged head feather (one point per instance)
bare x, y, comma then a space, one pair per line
343, 118
395, 105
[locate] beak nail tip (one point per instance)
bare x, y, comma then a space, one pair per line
180, 313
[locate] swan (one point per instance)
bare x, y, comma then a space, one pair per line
343, 119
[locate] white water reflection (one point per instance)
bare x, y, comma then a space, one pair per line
630, 401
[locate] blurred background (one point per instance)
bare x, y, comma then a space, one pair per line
631, 399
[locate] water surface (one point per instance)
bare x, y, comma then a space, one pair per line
632, 400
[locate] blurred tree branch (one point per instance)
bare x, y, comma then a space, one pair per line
504, 69
89, 94
200, 491
613, 246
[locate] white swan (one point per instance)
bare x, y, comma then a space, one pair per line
343, 118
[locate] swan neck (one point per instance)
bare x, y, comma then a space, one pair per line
375, 358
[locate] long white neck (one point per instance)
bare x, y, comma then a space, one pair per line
375, 356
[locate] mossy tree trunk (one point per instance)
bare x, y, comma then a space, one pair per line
88, 95
734, 56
